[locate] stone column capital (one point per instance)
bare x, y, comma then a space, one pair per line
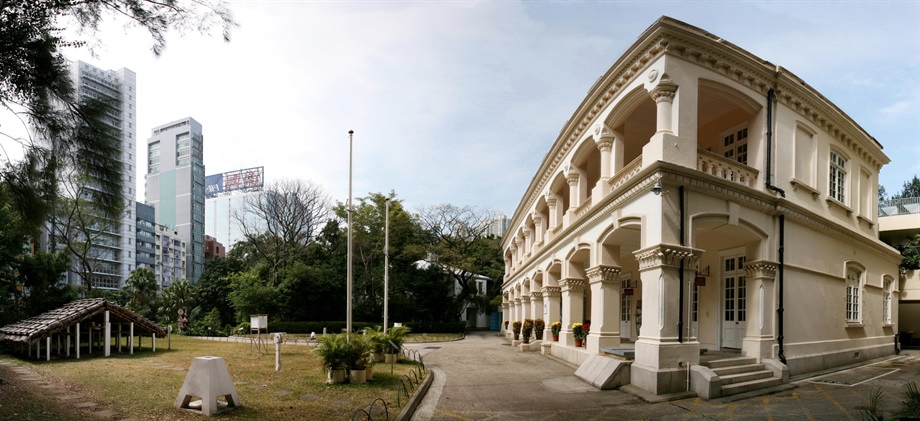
525, 299
603, 274
664, 91
551, 200
572, 284
536, 295
669, 255
572, 178
537, 219
552, 291
760, 269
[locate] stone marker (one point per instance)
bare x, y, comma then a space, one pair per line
207, 379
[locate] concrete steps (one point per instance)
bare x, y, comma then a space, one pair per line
742, 374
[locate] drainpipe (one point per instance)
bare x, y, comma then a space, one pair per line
680, 308
771, 96
779, 309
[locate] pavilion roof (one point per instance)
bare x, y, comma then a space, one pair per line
60, 319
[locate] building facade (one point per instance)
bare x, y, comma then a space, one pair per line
113, 247
145, 250
213, 248
171, 256
175, 185
668, 216
899, 223
226, 197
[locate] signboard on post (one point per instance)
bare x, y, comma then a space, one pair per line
245, 179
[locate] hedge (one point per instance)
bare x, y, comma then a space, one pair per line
339, 326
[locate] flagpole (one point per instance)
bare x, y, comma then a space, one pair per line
386, 268
350, 230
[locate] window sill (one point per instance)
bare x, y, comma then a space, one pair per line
866, 220
834, 202
855, 325
798, 184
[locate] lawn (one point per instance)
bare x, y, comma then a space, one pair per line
145, 385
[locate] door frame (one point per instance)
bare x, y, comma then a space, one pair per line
733, 252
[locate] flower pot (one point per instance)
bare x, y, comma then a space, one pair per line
527, 339
357, 376
516, 335
336, 376
578, 343
370, 372
377, 356
390, 358
555, 338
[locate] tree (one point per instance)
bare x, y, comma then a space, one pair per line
36, 88
458, 245
141, 287
179, 294
287, 214
911, 188
213, 286
251, 295
910, 250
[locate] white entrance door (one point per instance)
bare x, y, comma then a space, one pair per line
625, 309
734, 301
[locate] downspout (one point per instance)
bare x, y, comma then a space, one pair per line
779, 309
680, 276
771, 97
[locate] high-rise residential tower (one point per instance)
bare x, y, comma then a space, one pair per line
113, 249
175, 185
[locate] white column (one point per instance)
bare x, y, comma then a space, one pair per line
574, 196
107, 326
78, 341
758, 338
663, 94
551, 203
131, 340
153, 338
605, 308
573, 307
48, 348
552, 297
68, 342
119, 337
538, 227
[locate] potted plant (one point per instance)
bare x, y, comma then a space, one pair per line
332, 350
538, 327
586, 327
358, 352
527, 329
516, 328
506, 325
578, 332
556, 327
395, 337
378, 342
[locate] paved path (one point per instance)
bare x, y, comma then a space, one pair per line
483, 378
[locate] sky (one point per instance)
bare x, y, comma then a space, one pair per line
459, 101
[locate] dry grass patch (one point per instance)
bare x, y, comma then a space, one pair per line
145, 385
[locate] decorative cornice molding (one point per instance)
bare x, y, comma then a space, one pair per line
669, 255
603, 274
552, 291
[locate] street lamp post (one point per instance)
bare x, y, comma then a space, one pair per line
348, 269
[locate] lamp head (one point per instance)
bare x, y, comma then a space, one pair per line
657, 188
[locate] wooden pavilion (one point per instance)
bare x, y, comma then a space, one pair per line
83, 324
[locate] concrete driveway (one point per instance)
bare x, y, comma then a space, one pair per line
483, 378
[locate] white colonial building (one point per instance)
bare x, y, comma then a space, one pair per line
702, 198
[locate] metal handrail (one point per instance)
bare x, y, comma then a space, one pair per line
899, 206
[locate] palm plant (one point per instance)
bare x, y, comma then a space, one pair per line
358, 350
333, 350
397, 336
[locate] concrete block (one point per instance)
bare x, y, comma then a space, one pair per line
207, 379
604, 372
779, 369
705, 382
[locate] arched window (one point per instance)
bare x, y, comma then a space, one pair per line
888, 284
854, 295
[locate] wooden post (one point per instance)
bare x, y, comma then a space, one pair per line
108, 335
153, 338
89, 343
68, 342
119, 337
77, 347
48, 348
131, 340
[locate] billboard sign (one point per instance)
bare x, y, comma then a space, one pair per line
247, 179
